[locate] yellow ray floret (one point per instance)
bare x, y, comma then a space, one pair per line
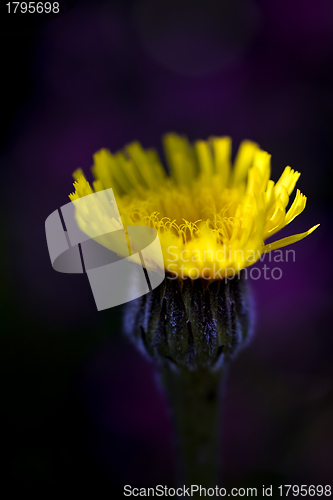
212, 218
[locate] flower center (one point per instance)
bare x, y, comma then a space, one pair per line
185, 209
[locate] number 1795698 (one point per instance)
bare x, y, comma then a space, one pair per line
33, 7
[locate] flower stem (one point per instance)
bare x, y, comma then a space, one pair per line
194, 398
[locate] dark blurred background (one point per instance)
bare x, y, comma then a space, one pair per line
80, 408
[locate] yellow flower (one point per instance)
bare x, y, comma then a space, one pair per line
212, 218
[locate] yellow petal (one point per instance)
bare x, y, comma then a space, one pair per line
205, 159
296, 208
222, 156
244, 160
288, 179
180, 158
289, 240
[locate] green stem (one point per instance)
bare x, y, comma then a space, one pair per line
194, 398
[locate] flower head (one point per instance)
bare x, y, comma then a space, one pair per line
210, 215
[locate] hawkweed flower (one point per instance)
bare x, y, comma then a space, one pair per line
213, 219
206, 212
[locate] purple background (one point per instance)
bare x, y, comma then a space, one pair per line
81, 411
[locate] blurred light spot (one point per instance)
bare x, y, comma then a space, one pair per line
196, 38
